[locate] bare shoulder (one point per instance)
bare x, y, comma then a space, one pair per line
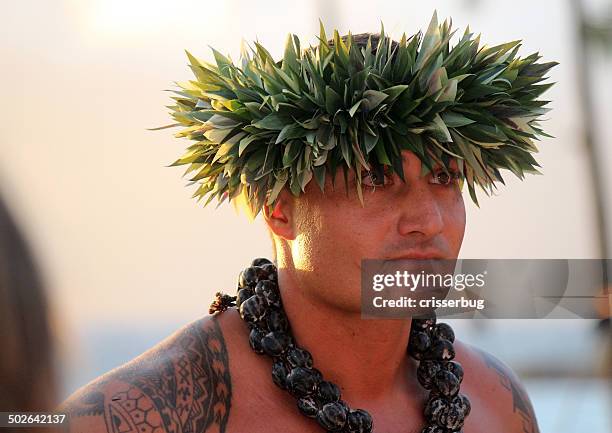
181, 384
497, 390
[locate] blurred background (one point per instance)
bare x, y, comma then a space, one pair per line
127, 256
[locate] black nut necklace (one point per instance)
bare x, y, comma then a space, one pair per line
259, 303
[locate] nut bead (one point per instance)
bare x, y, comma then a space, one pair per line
308, 406
455, 368
275, 343
248, 277
260, 261
419, 342
276, 320
264, 286
243, 295
269, 291
270, 271
253, 309
332, 416
317, 374
441, 350
328, 392
359, 421
447, 383
444, 331
434, 407
255, 337
463, 403
426, 371
279, 374
451, 419
301, 382
297, 357
423, 324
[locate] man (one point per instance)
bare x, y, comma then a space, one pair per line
206, 377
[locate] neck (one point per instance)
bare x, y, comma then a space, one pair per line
366, 358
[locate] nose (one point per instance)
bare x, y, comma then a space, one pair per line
420, 214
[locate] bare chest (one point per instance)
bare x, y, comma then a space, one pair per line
264, 417
260, 407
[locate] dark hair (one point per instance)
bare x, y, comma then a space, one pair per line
26, 378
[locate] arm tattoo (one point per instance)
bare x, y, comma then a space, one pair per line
520, 399
188, 392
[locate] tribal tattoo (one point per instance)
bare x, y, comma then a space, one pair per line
520, 399
189, 392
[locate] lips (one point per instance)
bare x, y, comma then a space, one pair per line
420, 254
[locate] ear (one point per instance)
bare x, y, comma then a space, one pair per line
280, 221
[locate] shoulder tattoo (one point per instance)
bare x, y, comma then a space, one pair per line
190, 392
521, 405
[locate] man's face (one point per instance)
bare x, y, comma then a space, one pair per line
333, 232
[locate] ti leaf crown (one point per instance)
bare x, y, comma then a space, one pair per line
263, 124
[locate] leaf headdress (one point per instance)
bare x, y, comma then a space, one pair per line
263, 124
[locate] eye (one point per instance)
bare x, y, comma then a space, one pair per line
446, 179
377, 178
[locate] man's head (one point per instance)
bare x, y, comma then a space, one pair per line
321, 237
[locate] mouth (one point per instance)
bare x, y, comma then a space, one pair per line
419, 254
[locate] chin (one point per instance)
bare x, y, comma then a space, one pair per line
349, 304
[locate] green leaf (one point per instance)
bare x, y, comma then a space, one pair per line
374, 98
344, 147
432, 37
273, 121
370, 142
381, 153
319, 174
290, 59
322, 39
224, 150
223, 63
450, 91
293, 130
439, 129
333, 101
248, 140
279, 183
394, 92
455, 120
355, 107
468, 154
293, 83
306, 176
292, 150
